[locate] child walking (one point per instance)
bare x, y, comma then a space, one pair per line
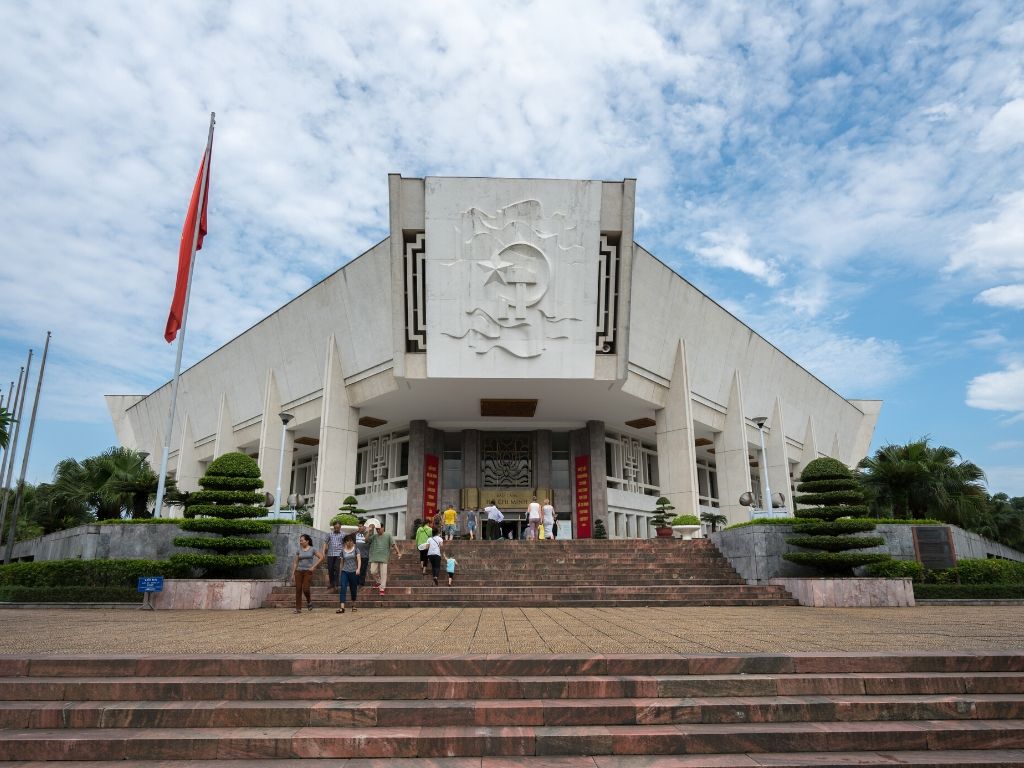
452, 562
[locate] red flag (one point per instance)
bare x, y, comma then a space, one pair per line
188, 234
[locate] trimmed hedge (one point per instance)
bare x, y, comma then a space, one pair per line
69, 594
214, 525
832, 543
835, 484
345, 519
969, 591
87, 573
684, 520
994, 571
836, 527
225, 511
226, 483
897, 569
139, 521
833, 512
234, 465
825, 468
221, 563
223, 544
801, 521
225, 496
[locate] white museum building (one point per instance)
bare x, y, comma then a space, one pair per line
508, 339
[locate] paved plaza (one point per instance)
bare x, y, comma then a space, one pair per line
450, 631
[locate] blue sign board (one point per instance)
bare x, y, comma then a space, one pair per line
150, 584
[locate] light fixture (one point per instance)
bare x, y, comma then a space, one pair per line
285, 418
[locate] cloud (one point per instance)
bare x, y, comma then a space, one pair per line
1008, 479
998, 391
1007, 445
1009, 296
994, 248
987, 339
731, 250
1006, 128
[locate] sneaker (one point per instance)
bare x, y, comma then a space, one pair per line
342, 610
381, 592
309, 607
435, 581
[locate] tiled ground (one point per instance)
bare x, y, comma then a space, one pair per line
514, 630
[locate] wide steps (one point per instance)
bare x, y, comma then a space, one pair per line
729, 710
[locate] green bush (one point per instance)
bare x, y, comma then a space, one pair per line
833, 543
763, 521
224, 544
86, 573
825, 468
234, 465
229, 500
599, 529
993, 571
833, 512
685, 520
69, 594
832, 528
897, 569
834, 563
215, 525
345, 519
221, 564
969, 591
831, 498
834, 484
226, 483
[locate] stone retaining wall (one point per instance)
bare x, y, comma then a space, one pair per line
211, 594
850, 592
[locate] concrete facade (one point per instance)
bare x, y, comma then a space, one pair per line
506, 330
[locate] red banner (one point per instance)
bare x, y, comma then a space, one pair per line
582, 497
431, 486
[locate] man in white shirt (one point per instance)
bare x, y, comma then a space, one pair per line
494, 518
533, 518
549, 519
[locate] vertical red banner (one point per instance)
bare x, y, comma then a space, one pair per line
430, 486
582, 497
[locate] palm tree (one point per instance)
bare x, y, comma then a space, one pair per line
713, 519
116, 482
6, 420
919, 480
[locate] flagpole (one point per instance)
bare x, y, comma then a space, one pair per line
9, 551
10, 412
161, 486
12, 453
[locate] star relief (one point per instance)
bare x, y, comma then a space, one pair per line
495, 267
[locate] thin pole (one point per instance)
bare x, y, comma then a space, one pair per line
767, 489
12, 453
161, 486
9, 551
10, 411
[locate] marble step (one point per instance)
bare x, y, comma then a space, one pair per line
455, 741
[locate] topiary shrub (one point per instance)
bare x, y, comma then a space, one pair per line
226, 506
830, 487
599, 531
684, 520
349, 512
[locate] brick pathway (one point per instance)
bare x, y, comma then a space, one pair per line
513, 630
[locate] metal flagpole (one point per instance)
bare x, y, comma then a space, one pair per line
11, 393
9, 551
12, 453
161, 486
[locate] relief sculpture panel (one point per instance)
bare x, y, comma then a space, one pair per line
511, 282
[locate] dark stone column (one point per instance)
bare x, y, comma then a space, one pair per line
471, 459
598, 472
418, 433
542, 459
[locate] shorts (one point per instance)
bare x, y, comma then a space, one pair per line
450, 530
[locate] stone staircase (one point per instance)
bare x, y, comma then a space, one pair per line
580, 573
488, 711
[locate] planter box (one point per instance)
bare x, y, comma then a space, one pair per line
850, 592
686, 532
213, 594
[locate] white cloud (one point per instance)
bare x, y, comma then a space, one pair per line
1009, 296
1005, 129
731, 250
987, 339
998, 391
994, 248
1008, 445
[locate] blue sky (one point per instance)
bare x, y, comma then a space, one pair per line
848, 178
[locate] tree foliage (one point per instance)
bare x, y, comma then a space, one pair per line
831, 488
6, 420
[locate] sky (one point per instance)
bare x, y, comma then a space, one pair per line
845, 177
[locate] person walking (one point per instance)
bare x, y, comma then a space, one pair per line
533, 518
350, 565
381, 546
435, 546
363, 547
423, 534
332, 549
450, 516
306, 561
451, 563
471, 520
494, 520
549, 519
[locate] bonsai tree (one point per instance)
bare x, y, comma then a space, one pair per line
829, 486
599, 531
660, 519
714, 519
225, 508
349, 512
